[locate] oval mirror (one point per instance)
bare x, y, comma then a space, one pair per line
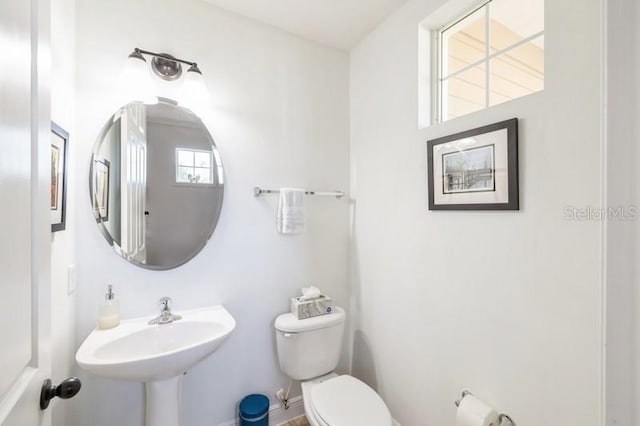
156, 184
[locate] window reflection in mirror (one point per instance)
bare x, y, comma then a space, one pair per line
194, 166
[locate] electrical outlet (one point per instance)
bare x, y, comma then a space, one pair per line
71, 279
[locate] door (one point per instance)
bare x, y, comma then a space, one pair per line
134, 181
25, 182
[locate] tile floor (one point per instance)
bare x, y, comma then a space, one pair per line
298, 421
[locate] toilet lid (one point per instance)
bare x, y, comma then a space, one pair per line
346, 401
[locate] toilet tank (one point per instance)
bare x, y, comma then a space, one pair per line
309, 347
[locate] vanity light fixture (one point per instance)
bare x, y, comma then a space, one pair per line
166, 66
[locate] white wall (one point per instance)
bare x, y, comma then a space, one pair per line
63, 242
623, 90
507, 304
280, 118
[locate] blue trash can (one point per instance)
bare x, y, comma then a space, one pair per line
254, 410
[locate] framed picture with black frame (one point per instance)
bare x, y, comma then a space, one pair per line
101, 171
59, 168
475, 170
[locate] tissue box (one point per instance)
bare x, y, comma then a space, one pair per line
302, 309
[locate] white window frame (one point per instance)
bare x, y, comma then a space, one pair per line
211, 167
439, 50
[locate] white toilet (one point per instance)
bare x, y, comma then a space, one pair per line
308, 350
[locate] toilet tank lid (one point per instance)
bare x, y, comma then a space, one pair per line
289, 323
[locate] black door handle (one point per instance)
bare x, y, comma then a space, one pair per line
65, 390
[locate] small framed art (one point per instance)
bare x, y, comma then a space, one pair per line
101, 172
59, 146
475, 170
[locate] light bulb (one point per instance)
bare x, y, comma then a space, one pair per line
195, 90
136, 80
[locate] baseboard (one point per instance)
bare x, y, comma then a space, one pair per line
277, 413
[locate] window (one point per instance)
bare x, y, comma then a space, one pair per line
490, 55
194, 166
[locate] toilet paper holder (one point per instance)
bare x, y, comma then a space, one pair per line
504, 419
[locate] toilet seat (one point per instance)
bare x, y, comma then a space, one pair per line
346, 401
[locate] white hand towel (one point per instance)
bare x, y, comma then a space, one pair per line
291, 211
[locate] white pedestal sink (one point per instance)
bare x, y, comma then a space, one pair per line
157, 355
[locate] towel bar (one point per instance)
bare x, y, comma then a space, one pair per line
258, 192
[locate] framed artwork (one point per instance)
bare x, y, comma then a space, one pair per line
101, 170
475, 170
59, 147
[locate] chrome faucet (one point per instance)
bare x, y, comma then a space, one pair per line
165, 316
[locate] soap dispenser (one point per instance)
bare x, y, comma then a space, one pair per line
109, 315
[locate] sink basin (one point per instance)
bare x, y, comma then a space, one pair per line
156, 354
141, 352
